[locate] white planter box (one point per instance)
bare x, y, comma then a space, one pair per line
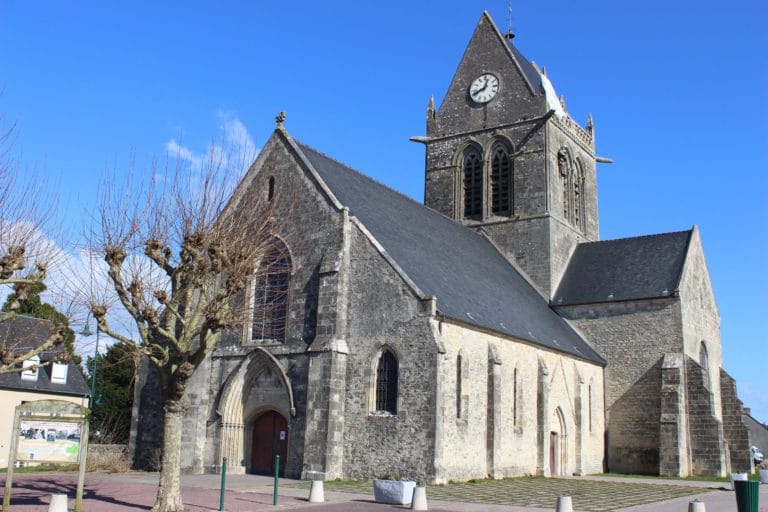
764, 476
393, 492
738, 476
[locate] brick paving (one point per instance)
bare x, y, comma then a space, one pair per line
587, 495
250, 493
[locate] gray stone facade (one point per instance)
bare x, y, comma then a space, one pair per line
474, 398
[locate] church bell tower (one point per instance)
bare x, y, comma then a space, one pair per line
504, 157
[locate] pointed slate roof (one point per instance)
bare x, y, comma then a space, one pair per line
643, 267
526, 67
472, 281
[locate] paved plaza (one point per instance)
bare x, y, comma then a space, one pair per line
588, 495
250, 493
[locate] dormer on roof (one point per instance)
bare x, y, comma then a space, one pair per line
32, 368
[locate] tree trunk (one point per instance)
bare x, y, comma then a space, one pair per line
169, 490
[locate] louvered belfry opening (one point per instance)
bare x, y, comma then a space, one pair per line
386, 383
473, 184
501, 171
270, 296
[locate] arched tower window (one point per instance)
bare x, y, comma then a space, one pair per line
577, 196
386, 383
501, 181
564, 168
472, 167
704, 363
270, 294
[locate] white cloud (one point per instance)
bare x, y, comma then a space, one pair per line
233, 143
183, 153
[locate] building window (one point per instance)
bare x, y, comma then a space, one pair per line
514, 398
271, 188
458, 386
704, 363
270, 295
589, 406
564, 169
386, 383
501, 181
577, 196
472, 166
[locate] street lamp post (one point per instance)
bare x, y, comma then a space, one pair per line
87, 332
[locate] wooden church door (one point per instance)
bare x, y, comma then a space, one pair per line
270, 438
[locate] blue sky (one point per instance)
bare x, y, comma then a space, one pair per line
677, 91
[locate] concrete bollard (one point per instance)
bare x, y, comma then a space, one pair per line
419, 501
564, 504
696, 506
58, 503
316, 494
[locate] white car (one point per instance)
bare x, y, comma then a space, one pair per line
757, 455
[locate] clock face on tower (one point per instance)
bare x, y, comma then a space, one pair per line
484, 88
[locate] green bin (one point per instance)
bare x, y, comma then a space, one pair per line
747, 495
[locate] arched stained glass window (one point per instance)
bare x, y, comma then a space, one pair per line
270, 295
386, 383
501, 181
472, 166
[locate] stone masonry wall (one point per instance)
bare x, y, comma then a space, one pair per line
633, 336
705, 430
500, 436
701, 320
384, 313
673, 433
736, 433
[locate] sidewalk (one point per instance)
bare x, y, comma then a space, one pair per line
251, 493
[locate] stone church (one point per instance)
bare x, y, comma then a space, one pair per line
486, 333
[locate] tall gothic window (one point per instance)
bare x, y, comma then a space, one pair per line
270, 295
501, 176
577, 196
472, 167
564, 168
386, 383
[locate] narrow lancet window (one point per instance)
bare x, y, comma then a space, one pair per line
514, 399
458, 386
704, 362
473, 184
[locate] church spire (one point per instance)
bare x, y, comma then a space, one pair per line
431, 123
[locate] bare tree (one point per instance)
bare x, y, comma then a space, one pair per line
25, 255
179, 255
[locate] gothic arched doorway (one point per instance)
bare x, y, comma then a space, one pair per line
255, 390
558, 444
270, 438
